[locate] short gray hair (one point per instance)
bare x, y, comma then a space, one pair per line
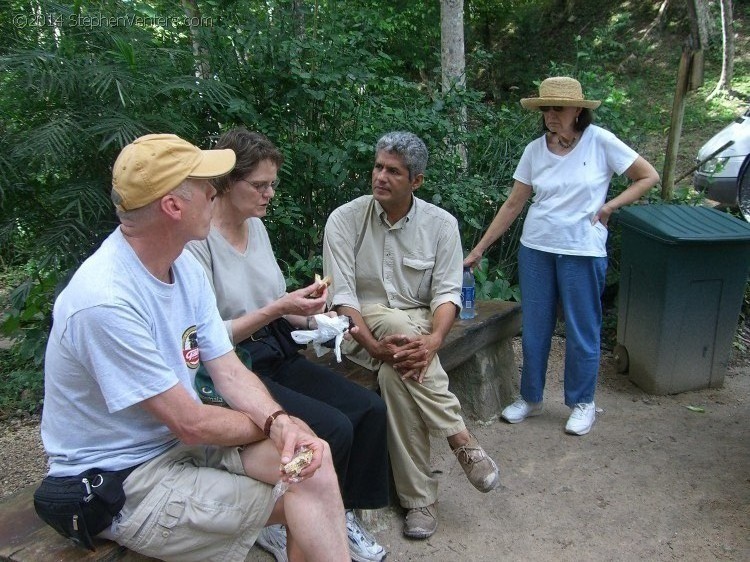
407, 145
183, 191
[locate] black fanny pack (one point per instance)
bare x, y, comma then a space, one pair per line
80, 507
272, 342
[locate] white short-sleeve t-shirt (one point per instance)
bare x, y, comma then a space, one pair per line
569, 190
120, 336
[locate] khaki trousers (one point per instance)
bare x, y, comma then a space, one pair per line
192, 504
415, 411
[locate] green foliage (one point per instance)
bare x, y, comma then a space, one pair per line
493, 283
80, 94
324, 84
326, 100
22, 389
301, 272
324, 80
607, 43
28, 313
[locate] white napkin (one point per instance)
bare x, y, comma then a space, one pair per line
328, 329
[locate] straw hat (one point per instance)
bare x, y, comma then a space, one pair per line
560, 90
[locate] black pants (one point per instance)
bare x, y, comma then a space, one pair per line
349, 417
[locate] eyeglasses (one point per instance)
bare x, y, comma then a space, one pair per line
555, 108
262, 186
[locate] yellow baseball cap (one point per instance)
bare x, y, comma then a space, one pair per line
153, 165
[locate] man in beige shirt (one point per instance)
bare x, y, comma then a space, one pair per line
396, 264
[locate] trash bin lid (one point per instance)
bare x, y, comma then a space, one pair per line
675, 224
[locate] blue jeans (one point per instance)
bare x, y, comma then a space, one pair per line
577, 283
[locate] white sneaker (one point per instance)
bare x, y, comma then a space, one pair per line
362, 545
581, 419
520, 410
273, 539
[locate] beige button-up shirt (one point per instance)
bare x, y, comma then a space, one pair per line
417, 262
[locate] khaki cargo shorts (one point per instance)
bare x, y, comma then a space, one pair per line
192, 503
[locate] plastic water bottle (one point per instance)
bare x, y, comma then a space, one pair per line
467, 295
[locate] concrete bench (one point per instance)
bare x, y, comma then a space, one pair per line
478, 356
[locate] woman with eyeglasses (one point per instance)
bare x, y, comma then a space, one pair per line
563, 257
260, 314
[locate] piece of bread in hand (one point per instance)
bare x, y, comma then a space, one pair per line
322, 284
300, 461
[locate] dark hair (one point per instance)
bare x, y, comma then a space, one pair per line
585, 118
251, 149
409, 147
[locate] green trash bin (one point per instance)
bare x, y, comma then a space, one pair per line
682, 279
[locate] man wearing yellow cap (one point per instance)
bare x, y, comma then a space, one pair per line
129, 331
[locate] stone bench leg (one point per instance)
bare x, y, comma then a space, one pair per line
378, 520
486, 381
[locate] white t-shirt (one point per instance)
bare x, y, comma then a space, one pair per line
120, 336
569, 190
243, 281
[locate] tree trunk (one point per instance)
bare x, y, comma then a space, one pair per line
193, 14
453, 60
697, 41
452, 43
565, 8
298, 17
727, 57
675, 128
703, 24
658, 22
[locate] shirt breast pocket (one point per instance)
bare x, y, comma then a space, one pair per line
418, 273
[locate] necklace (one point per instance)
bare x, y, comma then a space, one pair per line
566, 144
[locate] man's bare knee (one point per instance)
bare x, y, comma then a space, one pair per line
323, 481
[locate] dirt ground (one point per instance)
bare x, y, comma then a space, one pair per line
654, 480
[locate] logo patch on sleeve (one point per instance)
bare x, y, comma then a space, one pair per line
190, 350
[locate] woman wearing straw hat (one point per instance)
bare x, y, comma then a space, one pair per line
563, 256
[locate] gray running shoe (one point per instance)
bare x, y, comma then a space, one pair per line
273, 539
362, 545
